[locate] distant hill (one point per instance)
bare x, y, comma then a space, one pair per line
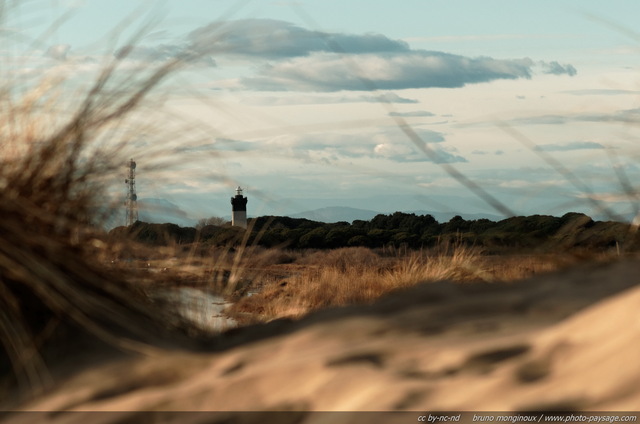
446, 216
341, 213
336, 214
161, 211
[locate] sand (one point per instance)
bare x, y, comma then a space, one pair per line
567, 341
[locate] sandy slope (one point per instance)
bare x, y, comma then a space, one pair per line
569, 341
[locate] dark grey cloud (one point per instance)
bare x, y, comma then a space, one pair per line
299, 59
447, 157
441, 156
265, 38
556, 68
387, 97
273, 39
415, 113
484, 152
574, 145
388, 71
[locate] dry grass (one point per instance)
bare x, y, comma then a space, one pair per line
57, 284
359, 275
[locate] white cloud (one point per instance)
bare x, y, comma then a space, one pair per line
303, 99
330, 147
58, 51
390, 150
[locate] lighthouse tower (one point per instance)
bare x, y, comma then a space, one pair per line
131, 203
239, 209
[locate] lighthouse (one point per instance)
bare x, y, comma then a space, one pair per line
239, 209
132, 198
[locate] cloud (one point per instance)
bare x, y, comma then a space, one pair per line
386, 143
610, 197
300, 59
541, 120
387, 97
271, 38
484, 152
415, 113
473, 37
328, 99
601, 92
164, 52
389, 71
58, 51
426, 135
218, 145
406, 153
393, 146
557, 69
575, 145
264, 38
624, 116
527, 184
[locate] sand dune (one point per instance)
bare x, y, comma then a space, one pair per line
568, 341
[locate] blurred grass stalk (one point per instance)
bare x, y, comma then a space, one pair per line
59, 148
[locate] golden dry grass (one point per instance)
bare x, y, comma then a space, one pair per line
359, 275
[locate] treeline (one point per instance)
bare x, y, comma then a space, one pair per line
398, 230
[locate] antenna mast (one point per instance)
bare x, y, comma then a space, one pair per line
132, 198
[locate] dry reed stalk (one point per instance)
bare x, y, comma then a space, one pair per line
52, 192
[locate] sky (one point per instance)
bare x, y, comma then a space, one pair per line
496, 106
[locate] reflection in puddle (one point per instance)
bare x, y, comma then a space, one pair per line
203, 309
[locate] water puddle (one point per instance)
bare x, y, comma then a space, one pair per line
205, 310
